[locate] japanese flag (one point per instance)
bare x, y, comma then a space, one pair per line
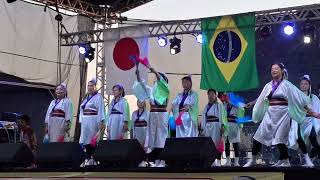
121, 44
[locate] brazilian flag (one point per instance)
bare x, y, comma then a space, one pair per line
228, 53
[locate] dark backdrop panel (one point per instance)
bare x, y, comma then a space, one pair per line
26, 100
298, 58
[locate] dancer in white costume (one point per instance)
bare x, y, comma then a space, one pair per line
92, 119
140, 120
157, 130
118, 119
278, 103
214, 121
305, 133
186, 105
59, 116
233, 134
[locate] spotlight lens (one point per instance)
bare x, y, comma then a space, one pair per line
82, 50
288, 30
162, 41
87, 60
307, 39
172, 51
199, 38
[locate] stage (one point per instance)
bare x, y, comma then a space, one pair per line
223, 173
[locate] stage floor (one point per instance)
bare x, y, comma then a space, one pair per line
223, 173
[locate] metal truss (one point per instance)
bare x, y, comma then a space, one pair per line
167, 28
77, 6
92, 8
301, 13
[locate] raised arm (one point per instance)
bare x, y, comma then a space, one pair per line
156, 73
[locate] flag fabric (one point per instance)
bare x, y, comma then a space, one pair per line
120, 45
228, 53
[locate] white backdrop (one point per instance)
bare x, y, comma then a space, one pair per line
26, 30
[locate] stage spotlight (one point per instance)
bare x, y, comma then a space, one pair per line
11, 1
306, 39
87, 51
265, 31
82, 49
175, 45
308, 32
199, 38
289, 29
58, 17
162, 41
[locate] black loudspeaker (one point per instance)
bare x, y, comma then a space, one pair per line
15, 155
124, 153
60, 155
197, 152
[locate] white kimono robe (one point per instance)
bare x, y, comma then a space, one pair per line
306, 125
189, 127
234, 128
140, 126
212, 129
115, 122
157, 131
57, 125
275, 126
90, 124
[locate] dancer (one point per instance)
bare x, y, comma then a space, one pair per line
140, 119
185, 105
214, 121
233, 134
92, 119
59, 116
28, 137
278, 103
308, 130
158, 117
118, 115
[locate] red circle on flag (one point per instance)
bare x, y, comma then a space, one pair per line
122, 51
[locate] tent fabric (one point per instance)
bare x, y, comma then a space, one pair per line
165, 10
29, 47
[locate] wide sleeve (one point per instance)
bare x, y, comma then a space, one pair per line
133, 117
316, 108
101, 109
48, 112
315, 103
161, 91
297, 101
126, 113
261, 106
175, 106
194, 107
68, 110
141, 90
240, 113
223, 115
203, 118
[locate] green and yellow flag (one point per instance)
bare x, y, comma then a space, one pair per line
228, 53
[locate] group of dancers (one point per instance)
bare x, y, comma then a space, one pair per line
288, 117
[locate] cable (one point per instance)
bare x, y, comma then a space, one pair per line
43, 60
